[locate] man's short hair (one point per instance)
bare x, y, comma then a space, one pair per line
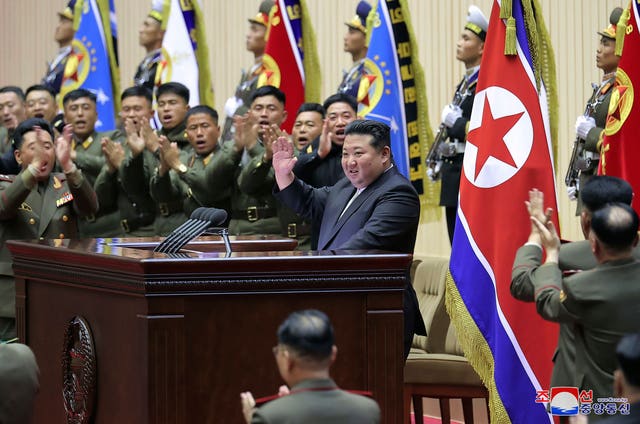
27, 126
13, 89
341, 98
308, 333
615, 225
269, 90
173, 88
137, 91
628, 354
202, 109
379, 132
40, 87
602, 189
311, 107
78, 93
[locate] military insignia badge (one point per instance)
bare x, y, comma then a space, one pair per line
66, 198
56, 183
25, 207
563, 296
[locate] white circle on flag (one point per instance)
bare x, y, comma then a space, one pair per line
518, 139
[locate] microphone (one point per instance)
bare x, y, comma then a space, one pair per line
201, 219
196, 215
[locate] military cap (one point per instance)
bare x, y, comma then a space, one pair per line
477, 22
359, 20
262, 18
67, 12
610, 31
628, 353
156, 10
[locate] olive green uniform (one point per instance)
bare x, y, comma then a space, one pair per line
32, 210
90, 159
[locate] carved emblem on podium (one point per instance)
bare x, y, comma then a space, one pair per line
78, 372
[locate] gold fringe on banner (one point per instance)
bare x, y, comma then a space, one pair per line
621, 29
205, 87
475, 348
312, 73
105, 12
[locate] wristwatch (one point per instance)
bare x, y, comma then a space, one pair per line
182, 169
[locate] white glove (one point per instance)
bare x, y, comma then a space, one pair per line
450, 115
572, 192
584, 125
231, 105
434, 173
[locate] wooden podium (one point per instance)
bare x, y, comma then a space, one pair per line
175, 340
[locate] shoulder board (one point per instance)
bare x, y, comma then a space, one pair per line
8, 178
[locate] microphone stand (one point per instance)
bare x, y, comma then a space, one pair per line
224, 233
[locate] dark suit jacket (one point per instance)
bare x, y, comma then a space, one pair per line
384, 216
318, 402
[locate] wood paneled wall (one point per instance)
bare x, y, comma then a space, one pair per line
27, 28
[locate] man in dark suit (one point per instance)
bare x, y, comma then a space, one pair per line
601, 304
304, 354
374, 207
626, 379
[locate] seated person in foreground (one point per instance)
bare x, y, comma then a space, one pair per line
304, 354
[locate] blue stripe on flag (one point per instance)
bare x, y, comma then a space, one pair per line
477, 290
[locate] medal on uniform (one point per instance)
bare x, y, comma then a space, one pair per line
66, 198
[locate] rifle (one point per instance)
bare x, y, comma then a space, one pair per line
440, 147
579, 162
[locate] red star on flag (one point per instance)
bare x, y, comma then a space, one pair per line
73, 63
494, 128
363, 91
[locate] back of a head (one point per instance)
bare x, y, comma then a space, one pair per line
173, 88
602, 189
341, 98
308, 333
628, 354
18, 383
616, 226
269, 90
378, 130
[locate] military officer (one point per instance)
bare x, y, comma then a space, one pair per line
590, 127
40, 101
80, 111
123, 182
308, 125
64, 37
150, 36
355, 43
38, 203
253, 207
206, 179
456, 116
12, 112
256, 43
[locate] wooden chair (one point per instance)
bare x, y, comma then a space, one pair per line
436, 367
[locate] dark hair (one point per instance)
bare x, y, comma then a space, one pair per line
615, 225
13, 89
602, 189
379, 132
40, 87
269, 90
137, 91
311, 107
341, 98
173, 88
78, 93
27, 126
628, 354
202, 109
308, 333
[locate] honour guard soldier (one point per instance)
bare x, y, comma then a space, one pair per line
256, 43
456, 116
64, 37
38, 203
590, 127
150, 37
355, 43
